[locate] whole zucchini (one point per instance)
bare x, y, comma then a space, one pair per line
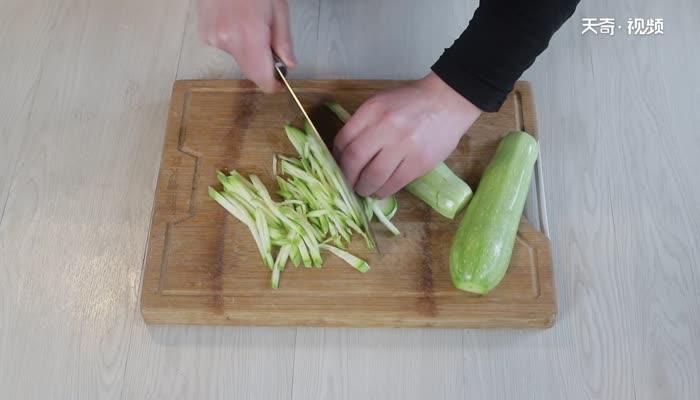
483, 245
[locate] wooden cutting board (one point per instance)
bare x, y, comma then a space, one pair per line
202, 266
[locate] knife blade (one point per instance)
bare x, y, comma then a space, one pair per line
353, 199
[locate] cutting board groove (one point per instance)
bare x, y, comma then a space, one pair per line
202, 267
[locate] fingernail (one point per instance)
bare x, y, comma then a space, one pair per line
362, 191
287, 55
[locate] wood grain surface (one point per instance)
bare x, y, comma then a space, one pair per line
202, 265
75, 166
85, 90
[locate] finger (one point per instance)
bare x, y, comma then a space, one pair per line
359, 153
378, 171
281, 35
363, 117
404, 174
251, 49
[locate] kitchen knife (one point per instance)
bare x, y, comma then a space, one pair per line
348, 193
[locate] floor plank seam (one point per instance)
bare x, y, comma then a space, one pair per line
464, 361
182, 39
9, 190
4, 206
137, 309
318, 21
612, 216
136, 312
128, 351
294, 360
32, 103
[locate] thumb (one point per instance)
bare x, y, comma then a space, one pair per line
281, 36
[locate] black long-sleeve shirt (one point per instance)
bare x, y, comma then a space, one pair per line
502, 40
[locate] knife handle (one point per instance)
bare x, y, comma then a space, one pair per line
279, 65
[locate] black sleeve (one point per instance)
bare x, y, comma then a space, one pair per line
502, 40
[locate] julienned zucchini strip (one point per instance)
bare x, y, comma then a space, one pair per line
312, 216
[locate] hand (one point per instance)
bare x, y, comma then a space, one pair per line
401, 134
249, 30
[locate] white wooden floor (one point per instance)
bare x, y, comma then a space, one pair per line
84, 90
